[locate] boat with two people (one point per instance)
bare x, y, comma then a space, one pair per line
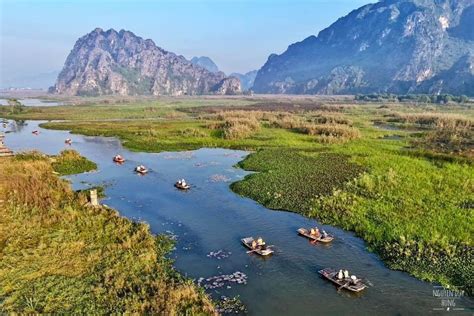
119, 159
257, 245
68, 141
343, 279
316, 235
141, 169
182, 185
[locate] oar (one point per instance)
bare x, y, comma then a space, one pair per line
343, 286
250, 251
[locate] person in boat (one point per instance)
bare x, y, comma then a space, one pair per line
261, 243
325, 235
354, 279
254, 244
346, 274
183, 182
340, 275
315, 232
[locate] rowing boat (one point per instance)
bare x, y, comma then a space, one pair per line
141, 170
345, 283
119, 159
262, 252
181, 186
304, 232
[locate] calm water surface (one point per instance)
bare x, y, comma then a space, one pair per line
210, 217
32, 102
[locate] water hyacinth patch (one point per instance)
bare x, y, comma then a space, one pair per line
291, 180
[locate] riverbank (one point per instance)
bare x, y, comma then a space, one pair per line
54, 259
412, 207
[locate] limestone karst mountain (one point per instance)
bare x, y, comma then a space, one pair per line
121, 63
397, 46
247, 79
206, 63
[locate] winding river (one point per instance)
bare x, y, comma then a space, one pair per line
211, 218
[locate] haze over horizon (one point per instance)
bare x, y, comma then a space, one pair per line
37, 36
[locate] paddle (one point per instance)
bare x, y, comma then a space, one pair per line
250, 251
343, 286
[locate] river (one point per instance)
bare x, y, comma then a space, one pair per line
33, 102
210, 217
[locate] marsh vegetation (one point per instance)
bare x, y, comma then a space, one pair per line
409, 197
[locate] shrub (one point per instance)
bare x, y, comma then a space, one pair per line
329, 118
331, 132
429, 119
237, 124
237, 128
451, 135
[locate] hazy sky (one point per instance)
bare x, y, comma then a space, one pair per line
37, 35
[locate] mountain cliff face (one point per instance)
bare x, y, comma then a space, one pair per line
121, 63
247, 79
398, 46
206, 63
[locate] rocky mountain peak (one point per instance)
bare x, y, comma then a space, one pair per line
206, 63
399, 46
111, 62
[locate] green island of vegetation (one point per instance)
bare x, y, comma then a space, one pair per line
67, 162
400, 175
122, 269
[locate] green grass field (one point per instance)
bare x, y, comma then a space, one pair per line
405, 187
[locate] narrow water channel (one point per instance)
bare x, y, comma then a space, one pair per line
210, 217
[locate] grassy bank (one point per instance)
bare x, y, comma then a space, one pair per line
407, 190
59, 255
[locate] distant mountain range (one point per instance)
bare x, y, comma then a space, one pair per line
397, 46
247, 79
121, 63
206, 63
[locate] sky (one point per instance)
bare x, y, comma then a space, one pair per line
239, 35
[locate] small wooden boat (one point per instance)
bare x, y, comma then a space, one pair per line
68, 141
353, 285
180, 186
306, 233
141, 170
35, 132
265, 251
119, 159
